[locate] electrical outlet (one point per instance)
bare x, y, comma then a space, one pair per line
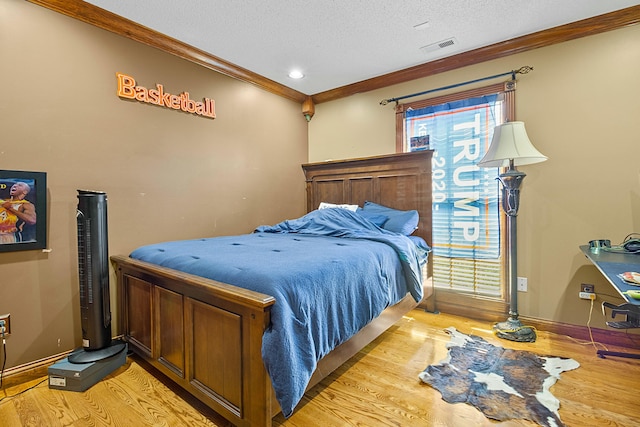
5, 324
522, 284
584, 287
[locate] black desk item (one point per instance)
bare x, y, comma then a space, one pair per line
611, 264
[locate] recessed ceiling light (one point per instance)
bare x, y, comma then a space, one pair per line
296, 74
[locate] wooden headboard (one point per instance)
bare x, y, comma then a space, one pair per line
399, 181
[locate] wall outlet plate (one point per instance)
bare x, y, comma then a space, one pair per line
5, 322
522, 284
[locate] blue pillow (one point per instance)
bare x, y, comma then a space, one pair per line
420, 242
402, 222
375, 218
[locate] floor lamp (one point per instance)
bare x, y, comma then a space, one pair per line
511, 147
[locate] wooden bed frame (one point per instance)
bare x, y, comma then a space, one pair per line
206, 336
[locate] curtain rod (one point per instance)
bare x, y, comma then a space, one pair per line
521, 70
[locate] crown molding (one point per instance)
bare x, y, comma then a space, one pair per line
106, 20
101, 18
586, 27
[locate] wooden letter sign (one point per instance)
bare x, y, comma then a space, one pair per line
127, 89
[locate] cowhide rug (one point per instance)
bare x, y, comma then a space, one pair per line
504, 384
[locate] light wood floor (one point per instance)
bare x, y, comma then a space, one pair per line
378, 387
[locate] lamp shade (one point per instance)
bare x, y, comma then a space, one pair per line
510, 142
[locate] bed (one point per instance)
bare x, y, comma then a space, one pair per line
209, 337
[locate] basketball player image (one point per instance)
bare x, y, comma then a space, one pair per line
15, 212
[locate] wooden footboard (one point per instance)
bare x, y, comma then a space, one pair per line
204, 335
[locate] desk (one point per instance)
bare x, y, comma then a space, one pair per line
611, 264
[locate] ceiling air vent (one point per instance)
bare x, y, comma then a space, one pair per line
434, 47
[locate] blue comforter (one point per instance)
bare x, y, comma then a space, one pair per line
331, 272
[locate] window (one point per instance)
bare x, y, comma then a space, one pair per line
468, 257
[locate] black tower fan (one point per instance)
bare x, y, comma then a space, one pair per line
93, 272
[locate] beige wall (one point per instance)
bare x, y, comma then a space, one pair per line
168, 174
581, 108
171, 175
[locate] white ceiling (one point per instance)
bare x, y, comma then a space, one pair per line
336, 43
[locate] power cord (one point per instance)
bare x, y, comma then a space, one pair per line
4, 355
589, 328
634, 338
23, 391
4, 362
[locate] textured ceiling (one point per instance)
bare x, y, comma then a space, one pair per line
336, 43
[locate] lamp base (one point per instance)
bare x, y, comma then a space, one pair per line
513, 330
